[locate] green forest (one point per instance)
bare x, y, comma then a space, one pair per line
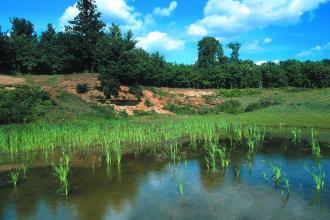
87, 45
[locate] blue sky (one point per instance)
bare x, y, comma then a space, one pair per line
267, 30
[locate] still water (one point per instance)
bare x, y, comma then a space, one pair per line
149, 189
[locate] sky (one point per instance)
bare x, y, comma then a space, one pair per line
267, 30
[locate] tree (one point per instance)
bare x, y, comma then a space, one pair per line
86, 28
235, 47
5, 56
24, 45
50, 53
210, 52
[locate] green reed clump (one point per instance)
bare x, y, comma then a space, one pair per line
61, 171
276, 174
318, 176
237, 170
108, 156
211, 156
296, 135
224, 158
315, 146
14, 176
181, 184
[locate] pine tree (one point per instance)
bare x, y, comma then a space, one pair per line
86, 28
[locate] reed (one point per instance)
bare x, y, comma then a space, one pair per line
181, 184
318, 176
296, 136
61, 171
14, 176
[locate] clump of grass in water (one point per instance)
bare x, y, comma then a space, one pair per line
224, 158
211, 155
61, 171
296, 133
315, 146
14, 176
181, 184
276, 174
237, 169
318, 176
108, 156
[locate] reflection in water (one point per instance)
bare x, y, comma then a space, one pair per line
148, 189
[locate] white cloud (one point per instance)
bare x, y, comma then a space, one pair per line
196, 30
158, 41
70, 13
232, 16
260, 62
166, 11
317, 48
267, 40
114, 9
311, 51
252, 46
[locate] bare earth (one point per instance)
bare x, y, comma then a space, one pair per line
67, 83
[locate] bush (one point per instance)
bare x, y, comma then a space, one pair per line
148, 103
180, 109
143, 113
137, 91
82, 88
262, 103
228, 93
22, 104
230, 106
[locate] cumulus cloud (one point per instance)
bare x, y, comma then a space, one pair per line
252, 46
114, 9
158, 41
166, 11
313, 50
260, 62
267, 40
232, 16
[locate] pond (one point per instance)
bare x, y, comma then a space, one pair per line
149, 188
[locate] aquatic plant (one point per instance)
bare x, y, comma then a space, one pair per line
211, 155
237, 169
315, 146
181, 184
108, 156
224, 158
61, 171
14, 175
296, 135
318, 176
276, 174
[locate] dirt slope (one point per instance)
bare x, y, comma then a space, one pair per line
67, 83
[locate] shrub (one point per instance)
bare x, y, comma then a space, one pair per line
143, 113
180, 109
238, 92
262, 103
137, 91
22, 104
82, 88
230, 106
148, 103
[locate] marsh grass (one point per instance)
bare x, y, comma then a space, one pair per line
296, 136
318, 176
61, 171
181, 184
14, 176
276, 173
315, 146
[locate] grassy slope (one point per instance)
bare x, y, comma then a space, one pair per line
298, 108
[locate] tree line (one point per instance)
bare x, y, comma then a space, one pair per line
86, 45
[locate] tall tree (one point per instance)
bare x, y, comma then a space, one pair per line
235, 47
210, 52
24, 45
87, 28
4, 52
